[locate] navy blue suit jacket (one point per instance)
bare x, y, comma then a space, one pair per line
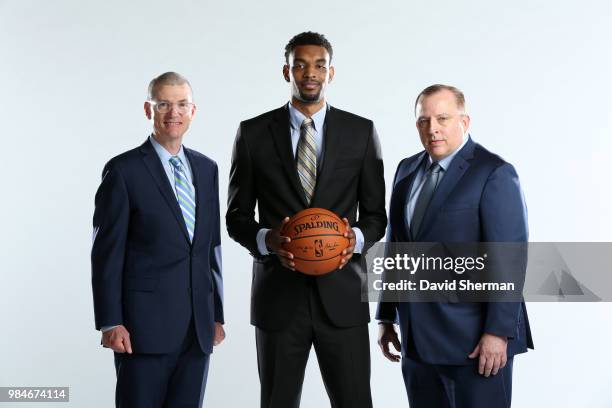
479, 199
146, 274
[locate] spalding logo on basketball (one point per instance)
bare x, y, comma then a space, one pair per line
317, 240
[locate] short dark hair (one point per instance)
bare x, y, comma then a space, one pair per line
432, 89
167, 78
308, 38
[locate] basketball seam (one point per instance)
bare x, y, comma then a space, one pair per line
318, 235
317, 260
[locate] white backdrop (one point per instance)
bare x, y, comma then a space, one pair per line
74, 77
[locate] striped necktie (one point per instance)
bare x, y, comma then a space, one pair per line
307, 158
184, 195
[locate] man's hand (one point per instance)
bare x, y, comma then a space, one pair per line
219, 334
386, 335
492, 350
347, 254
274, 242
118, 339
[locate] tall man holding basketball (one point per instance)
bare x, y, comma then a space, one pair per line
307, 154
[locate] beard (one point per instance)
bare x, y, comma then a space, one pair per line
308, 98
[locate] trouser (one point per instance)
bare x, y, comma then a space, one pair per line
445, 386
343, 355
170, 380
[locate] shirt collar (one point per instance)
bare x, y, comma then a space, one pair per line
296, 117
445, 162
165, 155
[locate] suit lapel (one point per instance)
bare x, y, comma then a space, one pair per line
400, 195
200, 189
456, 170
281, 133
331, 146
153, 164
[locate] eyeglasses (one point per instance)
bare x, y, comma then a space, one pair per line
165, 107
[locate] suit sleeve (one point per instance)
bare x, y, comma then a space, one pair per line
387, 311
504, 219
372, 216
241, 198
216, 265
110, 223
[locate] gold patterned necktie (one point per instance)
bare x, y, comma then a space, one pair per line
307, 158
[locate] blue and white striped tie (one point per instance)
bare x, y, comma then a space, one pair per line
184, 195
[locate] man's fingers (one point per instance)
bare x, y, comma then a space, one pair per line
281, 227
496, 366
219, 334
287, 263
387, 335
279, 242
504, 360
284, 254
127, 344
349, 231
348, 250
384, 346
117, 345
392, 357
396, 343
481, 364
489, 366
286, 259
345, 260
475, 353
347, 253
284, 222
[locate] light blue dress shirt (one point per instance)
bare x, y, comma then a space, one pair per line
419, 179
165, 156
295, 121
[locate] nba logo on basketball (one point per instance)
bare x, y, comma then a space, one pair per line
318, 248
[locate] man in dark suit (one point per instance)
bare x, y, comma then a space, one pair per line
455, 355
156, 258
307, 154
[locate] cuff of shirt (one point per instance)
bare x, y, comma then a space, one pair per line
385, 321
358, 240
107, 328
261, 241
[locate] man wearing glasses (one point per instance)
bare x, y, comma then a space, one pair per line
156, 258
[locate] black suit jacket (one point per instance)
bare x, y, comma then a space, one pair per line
264, 173
146, 274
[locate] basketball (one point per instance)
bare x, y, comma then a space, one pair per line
317, 240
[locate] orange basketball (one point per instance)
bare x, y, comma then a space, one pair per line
317, 240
